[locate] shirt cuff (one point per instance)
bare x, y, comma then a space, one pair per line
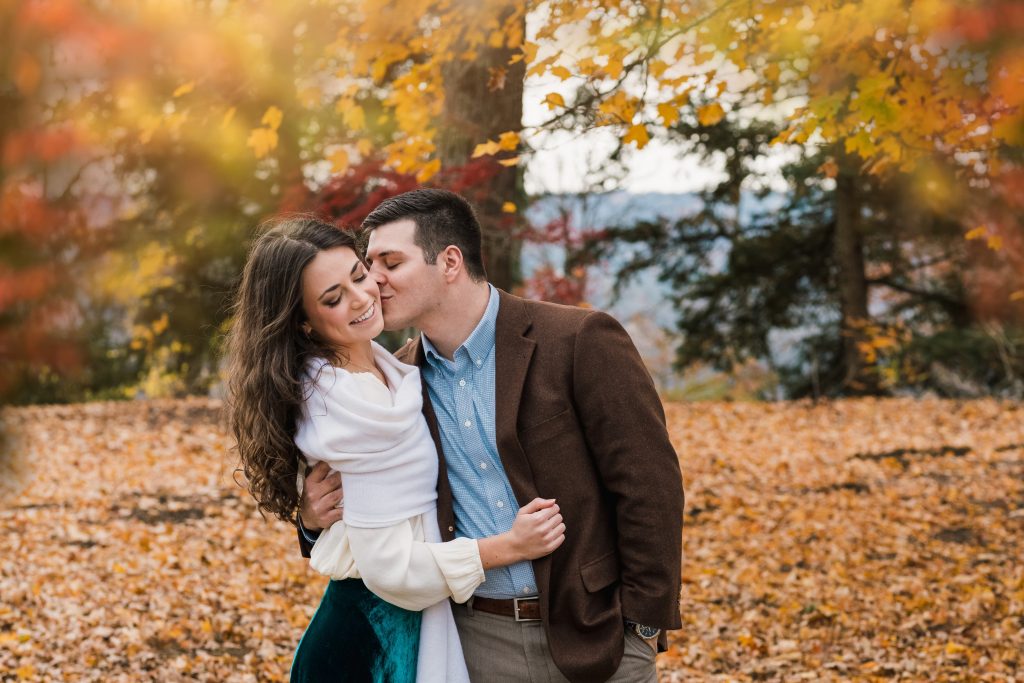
460, 562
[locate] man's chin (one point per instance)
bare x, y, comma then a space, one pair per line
393, 325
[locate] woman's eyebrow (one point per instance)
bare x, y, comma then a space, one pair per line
329, 289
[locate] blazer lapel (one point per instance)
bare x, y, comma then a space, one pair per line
512, 354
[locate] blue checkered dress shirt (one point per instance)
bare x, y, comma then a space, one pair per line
462, 393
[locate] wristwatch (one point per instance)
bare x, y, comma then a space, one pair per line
645, 632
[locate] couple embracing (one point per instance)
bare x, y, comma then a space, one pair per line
498, 501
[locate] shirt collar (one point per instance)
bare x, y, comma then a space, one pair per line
477, 345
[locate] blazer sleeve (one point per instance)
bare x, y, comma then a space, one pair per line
624, 425
305, 547
411, 573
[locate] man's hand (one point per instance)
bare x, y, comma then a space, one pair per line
321, 494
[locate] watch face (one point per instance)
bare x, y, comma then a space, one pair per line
646, 632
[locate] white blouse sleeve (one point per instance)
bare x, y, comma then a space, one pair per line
411, 573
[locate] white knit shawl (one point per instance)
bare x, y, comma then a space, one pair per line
385, 454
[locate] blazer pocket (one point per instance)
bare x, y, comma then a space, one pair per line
600, 573
548, 427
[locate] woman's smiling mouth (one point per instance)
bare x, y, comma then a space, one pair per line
366, 316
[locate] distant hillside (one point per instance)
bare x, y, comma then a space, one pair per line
643, 306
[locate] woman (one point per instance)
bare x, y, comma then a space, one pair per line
308, 384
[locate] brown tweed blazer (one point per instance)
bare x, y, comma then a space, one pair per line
578, 419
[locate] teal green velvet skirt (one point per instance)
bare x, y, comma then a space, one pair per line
355, 637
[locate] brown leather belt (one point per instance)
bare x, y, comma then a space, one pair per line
523, 609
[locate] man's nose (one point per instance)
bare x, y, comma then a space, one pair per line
378, 274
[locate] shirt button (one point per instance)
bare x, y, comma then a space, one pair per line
479, 362
451, 528
462, 382
500, 504
468, 423
483, 466
526, 590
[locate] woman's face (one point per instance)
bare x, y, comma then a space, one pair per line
341, 301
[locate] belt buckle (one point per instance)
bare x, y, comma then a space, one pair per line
515, 606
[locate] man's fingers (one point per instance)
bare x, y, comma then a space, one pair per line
317, 474
331, 517
331, 500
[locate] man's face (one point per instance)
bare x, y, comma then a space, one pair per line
410, 288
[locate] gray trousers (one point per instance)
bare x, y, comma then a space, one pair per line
502, 650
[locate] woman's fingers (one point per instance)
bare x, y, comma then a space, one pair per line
546, 513
537, 504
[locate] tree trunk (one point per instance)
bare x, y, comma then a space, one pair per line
476, 110
852, 281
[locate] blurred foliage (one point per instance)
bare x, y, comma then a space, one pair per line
142, 142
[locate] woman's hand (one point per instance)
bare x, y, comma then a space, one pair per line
536, 532
538, 529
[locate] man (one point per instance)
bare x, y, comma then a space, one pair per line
527, 400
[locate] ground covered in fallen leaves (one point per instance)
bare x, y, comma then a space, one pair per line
855, 540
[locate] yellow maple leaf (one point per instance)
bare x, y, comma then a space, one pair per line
669, 114
508, 207
995, 242
562, 72
529, 53
272, 118
554, 100
509, 162
976, 233
262, 141
428, 171
184, 89
160, 325
26, 672
614, 67
486, 149
637, 134
710, 114
1018, 295
508, 141
339, 161
657, 68
355, 118
619, 106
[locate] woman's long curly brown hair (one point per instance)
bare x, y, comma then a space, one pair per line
267, 356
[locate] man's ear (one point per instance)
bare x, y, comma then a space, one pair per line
451, 262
